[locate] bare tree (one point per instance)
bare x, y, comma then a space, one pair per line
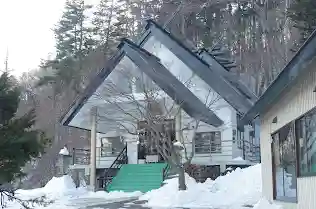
131, 102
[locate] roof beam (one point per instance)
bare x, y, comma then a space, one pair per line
91, 88
201, 68
218, 68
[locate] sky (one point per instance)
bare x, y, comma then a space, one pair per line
26, 31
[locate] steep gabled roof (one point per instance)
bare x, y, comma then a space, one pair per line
212, 77
286, 78
231, 78
149, 64
91, 88
209, 72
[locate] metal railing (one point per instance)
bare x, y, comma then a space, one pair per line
248, 150
121, 159
81, 156
165, 172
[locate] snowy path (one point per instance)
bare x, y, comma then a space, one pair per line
86, 203
135, 204
232, 191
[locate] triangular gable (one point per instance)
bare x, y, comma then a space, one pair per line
182, 96
201, 68
171, 86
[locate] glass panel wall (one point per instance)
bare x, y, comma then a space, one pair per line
182, 72
126, 78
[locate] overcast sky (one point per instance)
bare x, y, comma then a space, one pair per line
26, 30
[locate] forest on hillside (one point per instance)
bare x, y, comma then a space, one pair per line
260, 35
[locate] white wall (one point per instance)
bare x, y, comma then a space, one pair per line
102, 162
225, 112
294, 103
132, 148
105, 162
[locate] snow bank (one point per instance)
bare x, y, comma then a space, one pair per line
63, 192
265, 204
54, 189
238, 188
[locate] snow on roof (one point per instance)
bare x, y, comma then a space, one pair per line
238, 159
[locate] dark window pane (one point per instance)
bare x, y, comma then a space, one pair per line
284, 162
278, 171
306, 136
208, 142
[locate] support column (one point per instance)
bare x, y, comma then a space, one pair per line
93, 159
245, 141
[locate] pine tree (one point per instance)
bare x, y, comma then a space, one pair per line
125, 21
303, 14
73, 36
74, 40
103, 20
19, 141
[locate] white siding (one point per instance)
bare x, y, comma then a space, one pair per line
294, 103
105, 162
225, 112
102, 162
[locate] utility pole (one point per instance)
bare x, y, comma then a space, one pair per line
6, 62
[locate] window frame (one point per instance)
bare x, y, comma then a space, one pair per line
299, 174
213, 133
284, 199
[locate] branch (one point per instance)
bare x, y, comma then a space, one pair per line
27, 204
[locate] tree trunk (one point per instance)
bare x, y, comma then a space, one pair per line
181, 179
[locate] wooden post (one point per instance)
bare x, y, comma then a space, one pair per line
93, 158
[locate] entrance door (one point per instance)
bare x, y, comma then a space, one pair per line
148, 144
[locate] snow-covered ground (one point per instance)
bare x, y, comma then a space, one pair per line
64, 194
238, 188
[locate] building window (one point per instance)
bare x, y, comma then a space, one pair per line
208, 142
240, 139
284, 163
306, 138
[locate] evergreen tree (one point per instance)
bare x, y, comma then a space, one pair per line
103, 20
73, 36
303, 13
19, 141
74, 40
125, 25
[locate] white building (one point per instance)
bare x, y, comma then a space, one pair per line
204, 91
288, 117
